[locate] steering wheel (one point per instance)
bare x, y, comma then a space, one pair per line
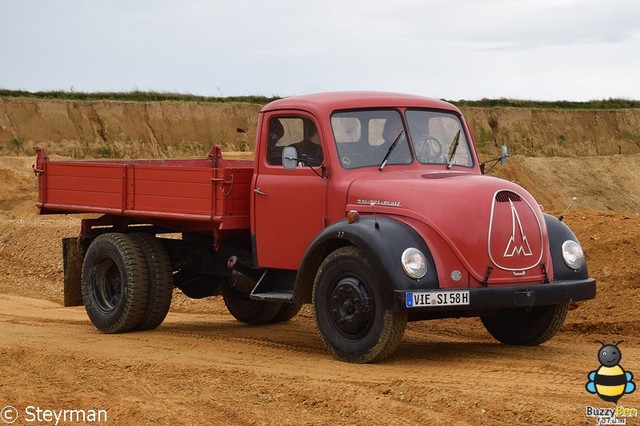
428, 149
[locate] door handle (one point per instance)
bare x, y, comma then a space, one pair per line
259, 191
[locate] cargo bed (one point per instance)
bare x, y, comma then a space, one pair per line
196, 190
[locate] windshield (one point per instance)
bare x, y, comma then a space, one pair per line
438, 138
363, 138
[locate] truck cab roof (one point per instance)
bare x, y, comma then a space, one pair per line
325, 103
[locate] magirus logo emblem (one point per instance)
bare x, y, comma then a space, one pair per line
518, 243
515, 235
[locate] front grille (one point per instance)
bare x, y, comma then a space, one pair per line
506, 196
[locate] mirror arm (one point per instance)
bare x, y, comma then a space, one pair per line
493, 165
490, 168
503, 159
310, 164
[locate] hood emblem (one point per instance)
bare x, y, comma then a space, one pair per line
379, 202
515, 242
518, 243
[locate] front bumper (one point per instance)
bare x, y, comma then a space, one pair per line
504, 297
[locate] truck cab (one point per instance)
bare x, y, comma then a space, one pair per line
392, 220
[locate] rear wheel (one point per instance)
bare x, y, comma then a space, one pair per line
114, 283
160, 281
526, 326
247, 310
286, 312
349, 311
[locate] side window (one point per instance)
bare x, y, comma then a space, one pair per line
298, 132
274, 147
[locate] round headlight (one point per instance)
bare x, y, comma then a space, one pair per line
572, 254
414, 263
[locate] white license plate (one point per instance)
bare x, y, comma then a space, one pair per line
437, 298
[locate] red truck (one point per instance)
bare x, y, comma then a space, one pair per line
373, 207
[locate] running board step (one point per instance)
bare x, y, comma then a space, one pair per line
273, 296
275, 285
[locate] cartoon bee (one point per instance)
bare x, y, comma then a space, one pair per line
610, 381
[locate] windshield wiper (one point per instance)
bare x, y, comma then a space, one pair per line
390, 150
456, 141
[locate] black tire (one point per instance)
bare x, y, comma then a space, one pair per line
349, 311
114, 283
247, 310
286, 312
526, 327
160, 281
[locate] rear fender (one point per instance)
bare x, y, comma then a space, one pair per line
383, 244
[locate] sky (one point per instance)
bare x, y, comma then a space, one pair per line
575, 50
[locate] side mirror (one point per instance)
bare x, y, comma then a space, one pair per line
504, 153
289, 158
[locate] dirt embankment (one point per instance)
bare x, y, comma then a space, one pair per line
555, 132
124, 129
168, 129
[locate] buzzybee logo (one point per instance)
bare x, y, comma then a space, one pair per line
610, 382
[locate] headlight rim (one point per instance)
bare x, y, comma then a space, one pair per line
577, 263
405, 259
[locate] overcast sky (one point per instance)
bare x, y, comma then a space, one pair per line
452, 49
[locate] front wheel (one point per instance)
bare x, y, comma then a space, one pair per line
526, 326
349, 311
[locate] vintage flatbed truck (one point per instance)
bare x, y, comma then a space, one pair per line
373, 207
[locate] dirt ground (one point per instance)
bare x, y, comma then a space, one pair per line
203, 367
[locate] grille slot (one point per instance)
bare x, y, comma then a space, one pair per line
506, 196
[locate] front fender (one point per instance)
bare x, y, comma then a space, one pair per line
558, 234
383, 239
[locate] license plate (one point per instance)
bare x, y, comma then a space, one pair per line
437, 298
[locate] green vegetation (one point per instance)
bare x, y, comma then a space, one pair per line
105, 152
140, 96
135, 96
17, 142
610, 103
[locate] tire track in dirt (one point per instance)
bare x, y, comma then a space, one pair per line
203, 332
180, 330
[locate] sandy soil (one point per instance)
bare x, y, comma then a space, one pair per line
203, 367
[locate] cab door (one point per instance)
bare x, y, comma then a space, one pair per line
289, 205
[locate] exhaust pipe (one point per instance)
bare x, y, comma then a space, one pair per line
244, 277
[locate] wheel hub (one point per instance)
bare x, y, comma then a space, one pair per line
351, 306
108, 286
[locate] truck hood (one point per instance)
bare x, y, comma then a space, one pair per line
494, 227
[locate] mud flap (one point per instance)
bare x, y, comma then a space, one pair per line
72, 257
